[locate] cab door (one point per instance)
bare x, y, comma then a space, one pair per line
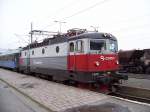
72, 57
76, 59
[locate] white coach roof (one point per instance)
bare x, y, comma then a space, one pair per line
10, 51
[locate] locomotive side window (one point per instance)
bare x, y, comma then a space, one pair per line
71, 47
79, 46
57, 49
33, 52
43, 51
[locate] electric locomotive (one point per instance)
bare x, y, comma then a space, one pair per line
88, 58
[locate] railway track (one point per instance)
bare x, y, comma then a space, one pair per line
136, 88
130, 97
138, 76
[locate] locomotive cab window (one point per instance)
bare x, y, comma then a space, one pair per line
98, 45
105, 46
43, 51
71, 47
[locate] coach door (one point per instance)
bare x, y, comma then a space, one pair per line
72, 57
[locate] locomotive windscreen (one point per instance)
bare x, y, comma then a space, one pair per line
98, 45
103, 46
112, 46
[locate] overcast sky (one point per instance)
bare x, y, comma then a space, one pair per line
128, 20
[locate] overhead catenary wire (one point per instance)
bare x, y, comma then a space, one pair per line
132, 27
90, 7
58, 11
63, 8
81, 11
86, 9
20, 37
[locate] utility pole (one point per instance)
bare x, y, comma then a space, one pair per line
28, 55
31, 33
60, 24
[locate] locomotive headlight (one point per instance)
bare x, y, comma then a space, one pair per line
97, 63
109, 73
117, 62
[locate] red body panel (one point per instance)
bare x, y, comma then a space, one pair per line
87, 62
78, 62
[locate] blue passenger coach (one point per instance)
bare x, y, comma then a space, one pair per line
10, 59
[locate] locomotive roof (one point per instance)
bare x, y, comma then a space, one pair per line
64, 38
93, 35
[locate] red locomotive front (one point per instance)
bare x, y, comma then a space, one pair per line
93, 58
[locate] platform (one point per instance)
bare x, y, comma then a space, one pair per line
61, 98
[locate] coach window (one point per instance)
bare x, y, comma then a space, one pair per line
25, 54
12, 57
43, 51
33, 52
71, 47
9, 57
79, 46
